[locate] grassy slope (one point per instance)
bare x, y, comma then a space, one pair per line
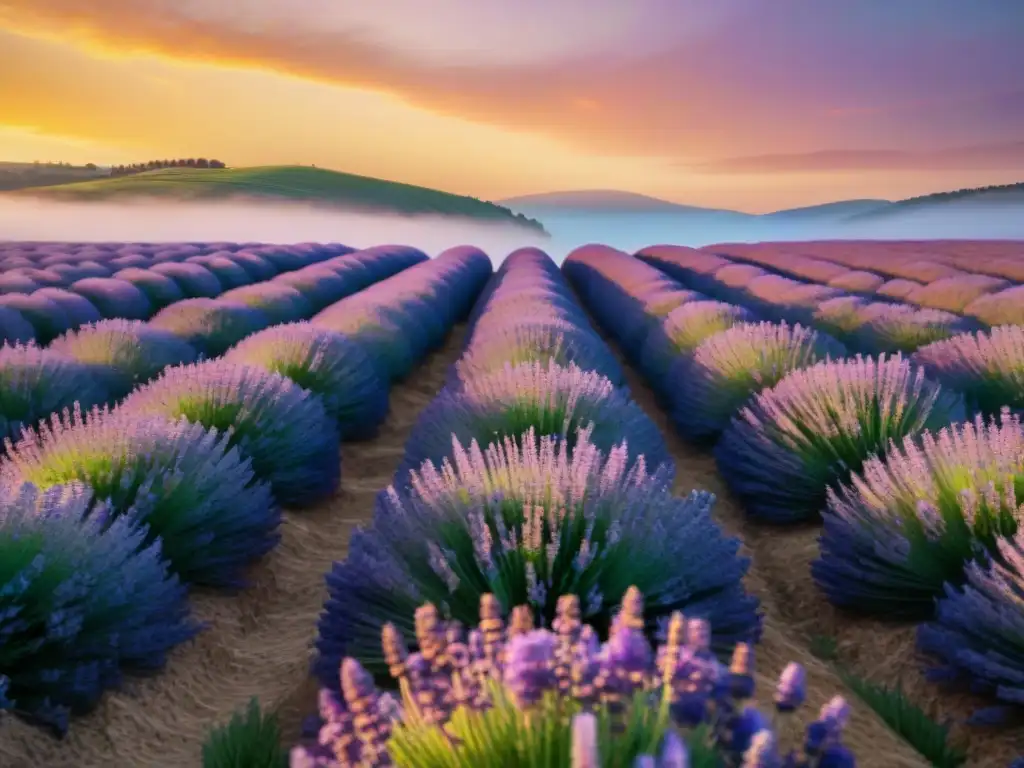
294, 183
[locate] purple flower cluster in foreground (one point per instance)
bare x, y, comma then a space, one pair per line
468, 698
528, 520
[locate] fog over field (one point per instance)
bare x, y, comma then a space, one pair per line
242, 221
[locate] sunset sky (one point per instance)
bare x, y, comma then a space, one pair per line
749, 104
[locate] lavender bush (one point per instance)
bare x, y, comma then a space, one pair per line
257, 267
554, 400
78, 309
681, 333
900, 328
516, 343
988, 368
36, 382
284, 429
14, 328
530, 522
228, 273
161, 290
321, 286
114, 298
1002, 308
210, 326
47, 318
81, 597
841, 318
912, 520
195, 281
376, 329
185, 483
708, 388
327, 364
124, 353
513, 696
819, 425
279, 302
978, 631
954, 293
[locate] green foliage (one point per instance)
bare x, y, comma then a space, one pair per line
505, 736
907, 720
250, 740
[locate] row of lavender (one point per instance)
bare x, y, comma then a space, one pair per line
869, 327
101, 362
533, 485
26, 267
110, 516
920, 508
962, 278
272, 284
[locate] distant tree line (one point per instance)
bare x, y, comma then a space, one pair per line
153, 165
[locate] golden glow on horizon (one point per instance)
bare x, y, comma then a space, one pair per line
78, 102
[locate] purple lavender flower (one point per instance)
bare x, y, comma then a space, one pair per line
35, 383
228, 273
47, 318
613, 693
987, 367
910, 521
326, 363
978, 630
78, 309
160, 290
279, 302
114, 298
183, 482
1005, 307
553, 400
284, 429
124, 353
682, 332
954, 293
791, 690
819, 425
195, 281
577, 519
901, 328
707, 389
530, 667
82, 596
14, 328
211, 326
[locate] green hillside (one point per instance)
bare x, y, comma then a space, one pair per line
293, 183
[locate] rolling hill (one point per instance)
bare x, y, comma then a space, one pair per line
288, 183
597, 200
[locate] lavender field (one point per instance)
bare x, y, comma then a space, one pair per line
307, 505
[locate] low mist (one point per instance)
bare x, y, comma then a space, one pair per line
280, 223
25, 218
